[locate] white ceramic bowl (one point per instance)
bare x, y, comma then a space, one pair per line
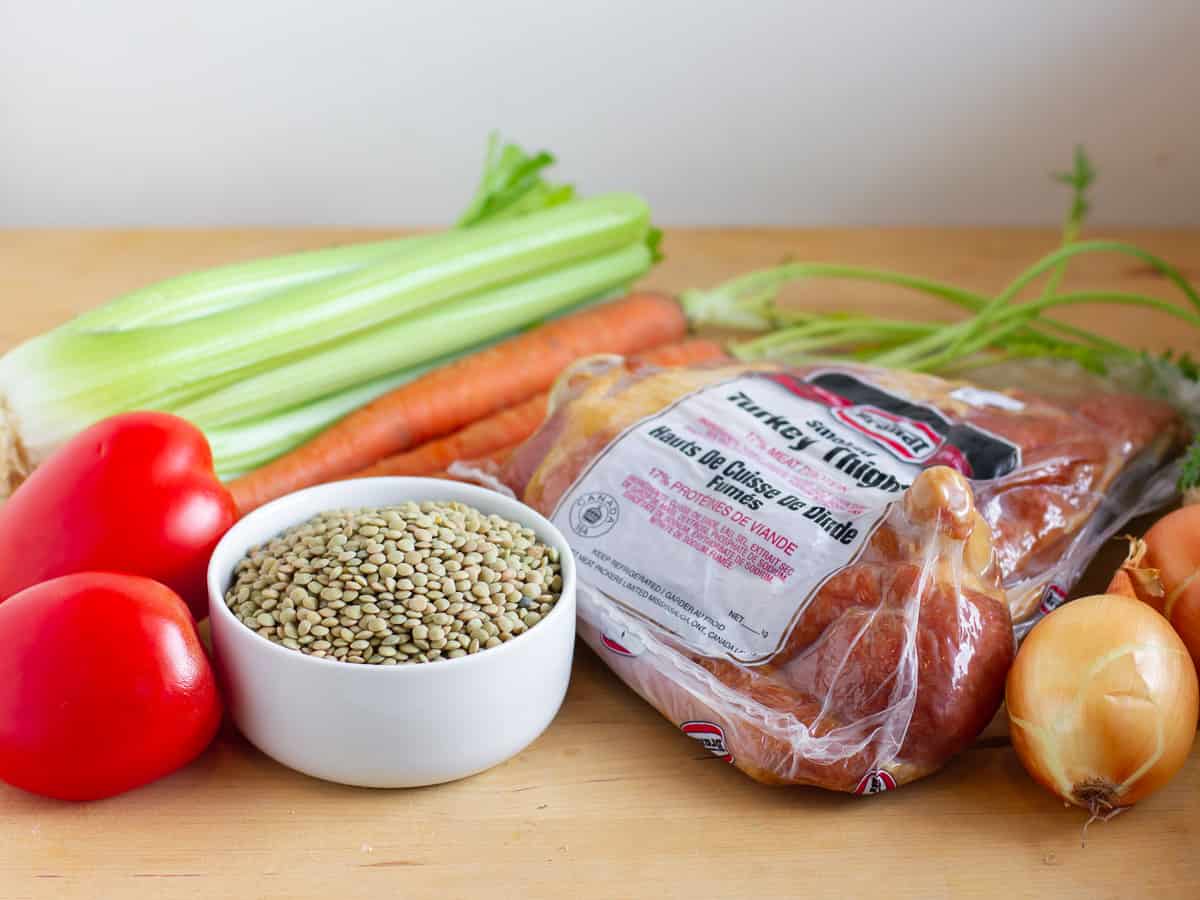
390, 726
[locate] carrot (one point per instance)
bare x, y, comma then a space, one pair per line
506, 428
511, 426
683, 353
468, 389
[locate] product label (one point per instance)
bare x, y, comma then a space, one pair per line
621, 642
718, 517
710, 736
877, 781
1052, 598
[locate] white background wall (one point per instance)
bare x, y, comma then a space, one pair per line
142, 112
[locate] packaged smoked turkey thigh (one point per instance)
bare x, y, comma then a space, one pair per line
815, 572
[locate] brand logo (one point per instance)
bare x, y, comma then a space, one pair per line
1052, 599
876, 782
906, 439
916, 433
622, 643
710, 736
594, 514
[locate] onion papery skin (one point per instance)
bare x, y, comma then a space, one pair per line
1163, 569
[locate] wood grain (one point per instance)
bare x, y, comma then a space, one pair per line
611, 801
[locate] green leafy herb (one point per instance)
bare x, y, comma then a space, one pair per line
512, 185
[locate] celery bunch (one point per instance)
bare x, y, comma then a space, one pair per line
264, 354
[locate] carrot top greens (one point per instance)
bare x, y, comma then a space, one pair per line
999, 327
1189, 479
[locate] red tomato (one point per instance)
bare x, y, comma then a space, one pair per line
104, 686
134, 493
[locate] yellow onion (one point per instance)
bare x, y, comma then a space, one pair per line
1102, 700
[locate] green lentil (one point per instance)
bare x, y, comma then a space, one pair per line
397, 585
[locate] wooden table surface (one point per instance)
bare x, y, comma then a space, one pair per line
612, 801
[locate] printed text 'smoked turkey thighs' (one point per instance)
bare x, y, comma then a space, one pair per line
805, 569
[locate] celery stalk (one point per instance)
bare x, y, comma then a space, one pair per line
416, 340
213, 291
209, 291
511, 186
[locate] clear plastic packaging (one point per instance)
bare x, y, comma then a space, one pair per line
810, 570
1132, 405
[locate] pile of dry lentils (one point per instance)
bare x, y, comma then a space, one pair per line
399, 584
